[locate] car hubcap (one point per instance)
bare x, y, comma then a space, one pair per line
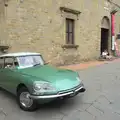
25, 100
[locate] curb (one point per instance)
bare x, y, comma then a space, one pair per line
87, 65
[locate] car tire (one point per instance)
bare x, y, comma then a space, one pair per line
31, 105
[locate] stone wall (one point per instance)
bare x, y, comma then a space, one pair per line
39, 26
117, 27
3, 30
117, 22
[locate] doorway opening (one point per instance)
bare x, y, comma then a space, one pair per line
105, 34
104, 39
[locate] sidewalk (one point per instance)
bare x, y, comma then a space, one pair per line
87, 64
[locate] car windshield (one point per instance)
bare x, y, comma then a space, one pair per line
30, 61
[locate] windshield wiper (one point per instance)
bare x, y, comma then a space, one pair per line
46, 63
36, 64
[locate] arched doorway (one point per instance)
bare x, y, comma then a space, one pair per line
105, 28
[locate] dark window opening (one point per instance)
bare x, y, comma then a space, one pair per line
70, 31
118, 36
104, 39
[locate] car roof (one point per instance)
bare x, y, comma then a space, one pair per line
19, 54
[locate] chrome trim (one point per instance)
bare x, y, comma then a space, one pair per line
79, 89
57, 95
73, 89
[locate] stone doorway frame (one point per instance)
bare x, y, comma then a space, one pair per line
106, 24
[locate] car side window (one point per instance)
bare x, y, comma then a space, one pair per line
1, 63
9, 62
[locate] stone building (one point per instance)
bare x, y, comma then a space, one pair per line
63, 31
3, 32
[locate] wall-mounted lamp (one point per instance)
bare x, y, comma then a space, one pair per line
6, 3
114, 11
21, 1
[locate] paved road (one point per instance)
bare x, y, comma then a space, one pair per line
100, 101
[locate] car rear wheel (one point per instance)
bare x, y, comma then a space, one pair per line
24, 100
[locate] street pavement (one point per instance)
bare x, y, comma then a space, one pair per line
99, 102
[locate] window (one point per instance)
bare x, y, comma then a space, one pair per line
9, 62
69, 31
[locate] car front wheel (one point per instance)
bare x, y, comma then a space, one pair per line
24, 101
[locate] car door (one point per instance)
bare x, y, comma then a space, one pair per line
1, 71
9, 77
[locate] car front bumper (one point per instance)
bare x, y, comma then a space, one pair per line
71, 93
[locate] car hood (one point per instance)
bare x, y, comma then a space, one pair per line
62, 79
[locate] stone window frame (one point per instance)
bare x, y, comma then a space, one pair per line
73, 15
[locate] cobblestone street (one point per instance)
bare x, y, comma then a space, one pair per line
99, 102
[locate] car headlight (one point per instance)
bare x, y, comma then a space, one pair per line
78, 78
43, 87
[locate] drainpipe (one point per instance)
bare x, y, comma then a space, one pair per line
113, 29
113, 12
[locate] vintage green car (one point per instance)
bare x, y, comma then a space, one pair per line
34, 82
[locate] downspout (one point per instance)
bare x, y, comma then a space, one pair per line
113, 12
113, 30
